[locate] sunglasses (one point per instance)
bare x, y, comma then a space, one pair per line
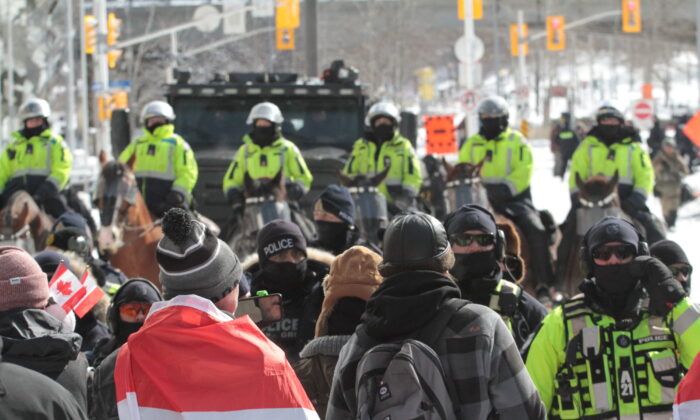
466, 239
622, 252
685, 270
133, 309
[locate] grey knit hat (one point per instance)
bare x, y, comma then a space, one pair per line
192, 261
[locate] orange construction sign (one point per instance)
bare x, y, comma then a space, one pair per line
441, 137
692, 129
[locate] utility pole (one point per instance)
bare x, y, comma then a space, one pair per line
10, 68
697, 40
522, 65
70, 88
311, 26
495, 7
84, 88
471, 127
102, 72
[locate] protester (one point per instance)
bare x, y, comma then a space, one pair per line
479, 248
31, 336
334, 215
468, 342
191, 358
669, 171
687, 403
673, 257
620, 349
126, 315
26, 394
285, 265
352, 280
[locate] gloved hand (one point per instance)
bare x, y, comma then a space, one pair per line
499, 194
235, 199
664, 290
45, 190
294, 191
175, 198
634, 203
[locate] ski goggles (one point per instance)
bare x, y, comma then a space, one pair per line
466, 239
685, 270
132, 309
605, 252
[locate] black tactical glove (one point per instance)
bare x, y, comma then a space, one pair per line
499, 194
175, 198
294, 191
634, 204
235, 199
664, 291
45, 190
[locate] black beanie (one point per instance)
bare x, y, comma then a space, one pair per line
668, 252
471, 217
612, 229
338, 201
277, 236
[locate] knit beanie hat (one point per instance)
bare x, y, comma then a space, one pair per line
611, 229
193, 261
338, 201
50, 260
353, 273
22, 283
278, 236
668, 252
470, 217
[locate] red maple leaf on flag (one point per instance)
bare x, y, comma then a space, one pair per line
63, 287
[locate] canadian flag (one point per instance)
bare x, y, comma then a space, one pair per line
192, 361
687, 404
72, 294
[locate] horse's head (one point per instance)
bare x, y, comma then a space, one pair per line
464, 184
370, 205
115, 193
266, 200
465, 172
272, 188
598, 191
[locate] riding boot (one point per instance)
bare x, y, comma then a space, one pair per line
55, 205
538, 243
654, 232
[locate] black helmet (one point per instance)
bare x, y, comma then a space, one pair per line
412, 240
607, 111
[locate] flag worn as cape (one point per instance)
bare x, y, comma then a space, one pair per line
687, 404
192, 361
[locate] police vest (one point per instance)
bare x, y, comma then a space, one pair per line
566, 135
612, 372
504, 300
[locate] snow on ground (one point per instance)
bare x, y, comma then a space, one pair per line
552, 193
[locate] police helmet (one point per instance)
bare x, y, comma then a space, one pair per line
265, 111
383, 109
34, 108
607, 111
157, 109
493, 107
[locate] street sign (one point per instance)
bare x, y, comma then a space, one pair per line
643, 113
263, 8
208, 18
470, 99
234, 22
461, 49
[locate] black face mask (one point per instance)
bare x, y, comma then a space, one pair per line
491, 128
384, 132
264, 136
286, 278
474, 271
610, 134
31, 132
332, 236
614, 279
153, 127
126, 329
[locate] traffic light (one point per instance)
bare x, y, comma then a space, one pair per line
477, 9
285, 39
112, 57
556, 35
113, 26
90, 24
631, 16
287, 14
515, 45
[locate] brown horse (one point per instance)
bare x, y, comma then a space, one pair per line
371, 211
597, 198
23, 223
129, 235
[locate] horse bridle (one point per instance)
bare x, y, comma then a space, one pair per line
465, 181
361, 189
599, 203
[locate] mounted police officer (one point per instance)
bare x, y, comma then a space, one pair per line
619, 349
506, 174
385, 147
263, 154
609, 147
480, 249
36, 160
165, 167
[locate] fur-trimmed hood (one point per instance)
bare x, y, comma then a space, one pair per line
251, 262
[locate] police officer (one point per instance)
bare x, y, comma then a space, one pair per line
506, 174
263, 154
619, 349
480, 250
610, 147
36, 160
165, 167
385, 147
564, 142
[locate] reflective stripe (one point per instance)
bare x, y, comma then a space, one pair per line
601, 396
509, 161
392, 182
663, 364
154, 174
591, 341
590, 160
23, 172
686, 319
181, 190
629, 164
493, 302
55, 182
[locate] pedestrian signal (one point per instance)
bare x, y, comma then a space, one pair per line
285, 39
441, 136
477, 9
556, 35
90, 25
631, 16
516, 40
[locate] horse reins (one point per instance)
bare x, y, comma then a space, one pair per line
466, 181
600, 203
